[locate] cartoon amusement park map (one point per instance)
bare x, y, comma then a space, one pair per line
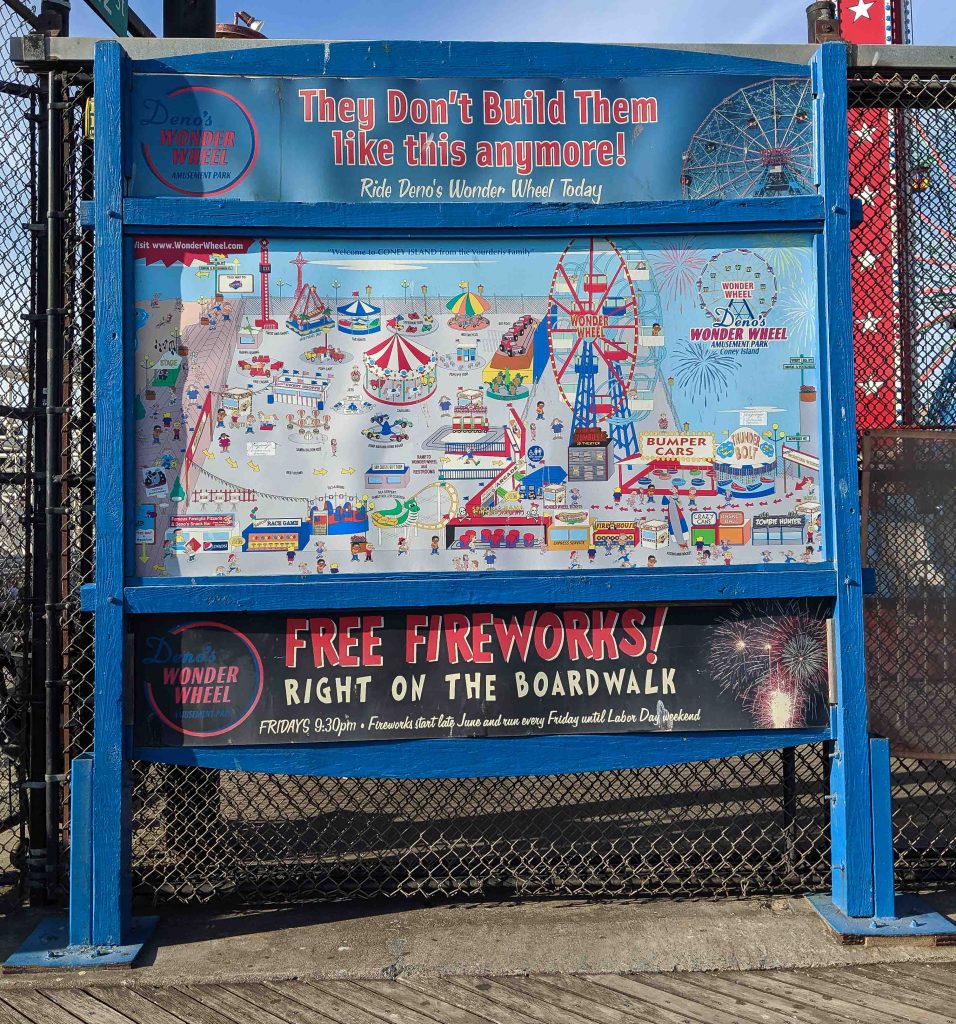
319, 408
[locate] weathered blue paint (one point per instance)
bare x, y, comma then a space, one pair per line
881, 797
851, 832
913, 918
452, 219
485, 758
491, 60
111, 826
48, 948
81, 850
388, 590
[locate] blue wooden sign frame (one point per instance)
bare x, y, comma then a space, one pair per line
101, 887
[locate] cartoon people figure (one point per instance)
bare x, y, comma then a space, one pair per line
220, 418
692, 498
355, 547
234, 420
157, 434
334, 444
651, 491
334, 568
807, 555
557, 427
651, 561
655, 330
766, 557
789, 557
533, 431
320, 565
435, 542
575, 496
290, 553
624, 558
662, 422
617, 494
250, 424
444, 403
573, 561
728, 556
490, 558
224, 442
592, 553
178, 429
699, 544
368, 552
539, 410
232, 564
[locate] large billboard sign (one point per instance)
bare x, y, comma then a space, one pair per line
467, 406
435, 673
438, 140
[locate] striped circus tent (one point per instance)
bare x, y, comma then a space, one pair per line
359, 308
396, 355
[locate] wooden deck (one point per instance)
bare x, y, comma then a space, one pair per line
896, 993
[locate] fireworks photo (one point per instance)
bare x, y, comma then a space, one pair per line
773, 659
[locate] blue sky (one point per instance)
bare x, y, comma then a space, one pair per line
677, 21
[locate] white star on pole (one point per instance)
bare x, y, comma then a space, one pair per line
862, 10
867, 259
866, 194
869, 323
870, 386
864, 132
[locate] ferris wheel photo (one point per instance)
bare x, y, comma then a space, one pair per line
756, 142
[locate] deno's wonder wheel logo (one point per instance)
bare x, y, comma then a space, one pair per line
198, 140
202, 679
737, 288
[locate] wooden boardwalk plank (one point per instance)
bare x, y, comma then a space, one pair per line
232, 1005
630, 1006
133, 1004
848, 1005
87, 1009
923, 1006
181, 1005
888, 1006
941, 976
588, 1007
9, 1015
683, 1004
335, 1009
492, 988
37, 1008
354, 1006
423, 1000
470, 999
784, 1008
276, 1001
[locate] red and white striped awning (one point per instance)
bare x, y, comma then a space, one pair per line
396, 354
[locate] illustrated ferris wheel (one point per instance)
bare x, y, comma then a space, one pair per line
756, 142
593, 333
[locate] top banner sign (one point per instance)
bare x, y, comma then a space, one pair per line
349, 140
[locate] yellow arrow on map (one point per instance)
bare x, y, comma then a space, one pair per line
319, 472
348, 470
208, 453
253, 466
232, 462
144, 557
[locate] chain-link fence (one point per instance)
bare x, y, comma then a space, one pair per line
757, 824
19, 318
903, 169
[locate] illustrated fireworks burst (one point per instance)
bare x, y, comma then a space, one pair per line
798, 309
677, 268
704, 372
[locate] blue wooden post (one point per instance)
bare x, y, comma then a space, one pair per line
851, 828
111, 749
884, 893
81, 851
